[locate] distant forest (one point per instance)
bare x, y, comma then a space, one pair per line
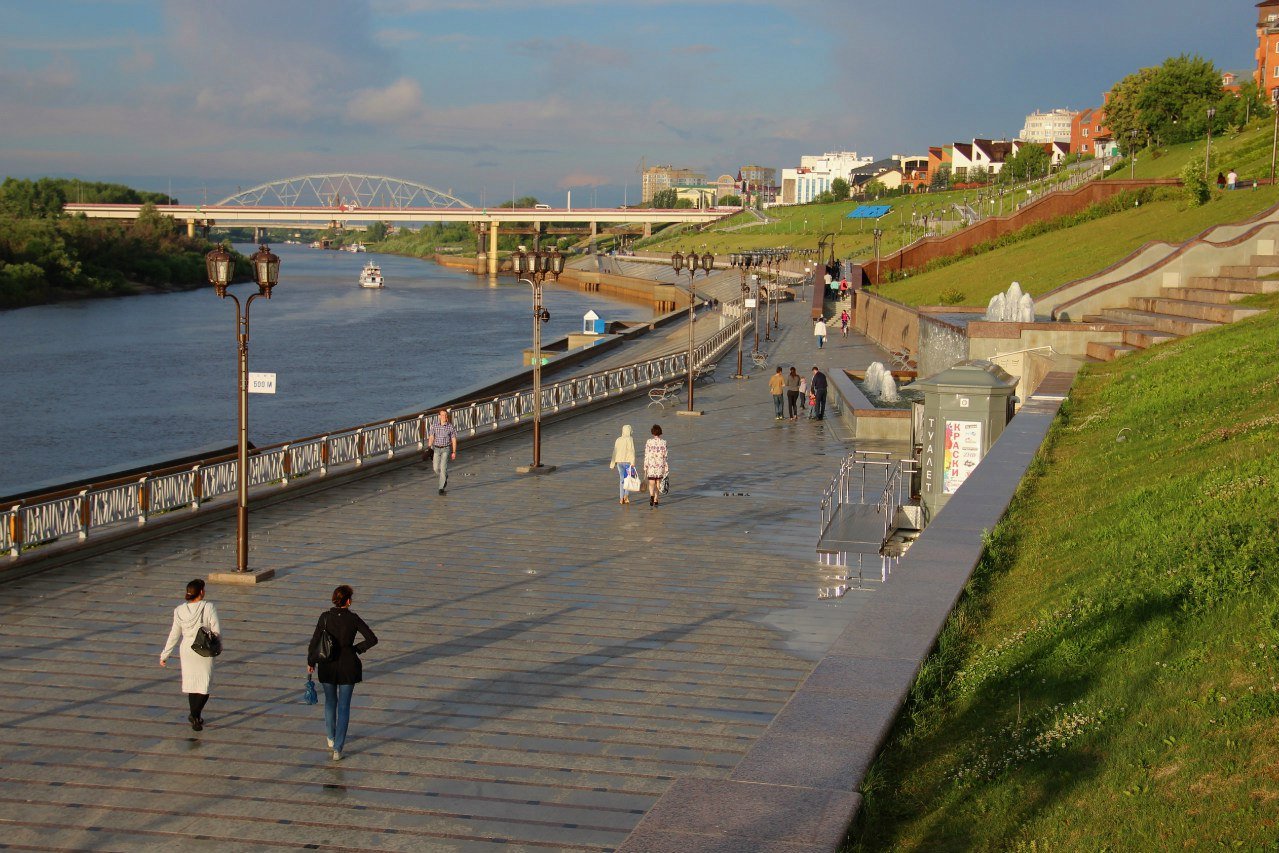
46, 256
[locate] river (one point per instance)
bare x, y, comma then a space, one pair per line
100, 385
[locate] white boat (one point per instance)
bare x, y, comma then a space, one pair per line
355, 247
371, 276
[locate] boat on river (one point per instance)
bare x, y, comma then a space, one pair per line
371, 276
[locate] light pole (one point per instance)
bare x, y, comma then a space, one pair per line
1212, 111
1132, 154
692, 263
742, 261
532, 268
220, 266
878, 232
1274, 146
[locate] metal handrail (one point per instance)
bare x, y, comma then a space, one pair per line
45, 518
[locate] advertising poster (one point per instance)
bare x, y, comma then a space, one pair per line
962, 453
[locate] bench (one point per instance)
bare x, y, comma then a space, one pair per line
663, 394
902, 359
707, 373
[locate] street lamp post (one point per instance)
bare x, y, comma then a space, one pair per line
878, 232
1212, 111
692, 263
532, 268
1132, 154
741, 261
1274, 145
220, 266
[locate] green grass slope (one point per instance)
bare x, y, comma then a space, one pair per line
1050, 260
1246, 151
1110, 681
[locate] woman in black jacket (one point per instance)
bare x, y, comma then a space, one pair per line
339, 676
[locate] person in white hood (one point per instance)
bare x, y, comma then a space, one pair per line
197, 671
624, 461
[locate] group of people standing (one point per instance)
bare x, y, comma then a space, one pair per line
333, 651
800, 394
656, 464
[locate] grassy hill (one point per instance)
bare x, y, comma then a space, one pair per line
1111, 679
1247, 151
1053, 259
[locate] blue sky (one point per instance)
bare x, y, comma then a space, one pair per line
487, 97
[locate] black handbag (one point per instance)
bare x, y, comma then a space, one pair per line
206, 643
328, 648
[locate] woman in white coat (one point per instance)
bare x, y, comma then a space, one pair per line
624, 461
197, 671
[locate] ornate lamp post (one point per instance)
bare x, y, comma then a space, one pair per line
220, 265
878, 232
782, 256
1132, 154
532, 268
742, 261
1212, 112
1274, 145
692, 263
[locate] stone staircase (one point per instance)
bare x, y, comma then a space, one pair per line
1204, 303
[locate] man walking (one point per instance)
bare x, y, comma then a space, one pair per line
818, 388
777, 385
443, 438
819, 331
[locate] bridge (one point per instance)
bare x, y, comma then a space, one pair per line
336, 201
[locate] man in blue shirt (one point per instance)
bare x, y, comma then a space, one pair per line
443, 439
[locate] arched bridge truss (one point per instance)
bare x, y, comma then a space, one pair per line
343, 191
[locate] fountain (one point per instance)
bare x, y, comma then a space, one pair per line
880, 384
1011, 306
888, 388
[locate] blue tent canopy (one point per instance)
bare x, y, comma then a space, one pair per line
870, 211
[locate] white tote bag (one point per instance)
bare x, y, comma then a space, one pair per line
632, 481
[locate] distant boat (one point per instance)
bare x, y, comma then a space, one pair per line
371, 276
355, 247
317, 245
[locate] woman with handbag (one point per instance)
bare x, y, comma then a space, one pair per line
197, 669
336, 654
656, 466
624, 461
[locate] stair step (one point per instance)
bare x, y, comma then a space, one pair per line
1145, 338
1194, 310
1264, 260
1107, 350
1162, 322
1247, 270
1200, 294
1238, 285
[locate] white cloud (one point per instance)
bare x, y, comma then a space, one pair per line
392, 104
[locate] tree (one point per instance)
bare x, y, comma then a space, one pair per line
1030, 161
376, 232
1166, 104
940, 179
664, 199
729, 201
874, 189
839, 189
521, 202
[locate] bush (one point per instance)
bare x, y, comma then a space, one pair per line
951, 296
1194, 184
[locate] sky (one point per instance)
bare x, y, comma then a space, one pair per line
492, 98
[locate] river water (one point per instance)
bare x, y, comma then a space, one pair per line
99, 385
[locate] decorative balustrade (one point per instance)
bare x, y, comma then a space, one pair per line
44, 519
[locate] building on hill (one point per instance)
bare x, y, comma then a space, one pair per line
1266, 74
1232, 80
887, 172
815, 173
658, 178
1089, 133
757, 182
1052, 126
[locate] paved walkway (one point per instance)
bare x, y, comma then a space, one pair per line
549, 661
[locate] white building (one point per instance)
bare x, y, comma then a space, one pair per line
815, 173
1047, 127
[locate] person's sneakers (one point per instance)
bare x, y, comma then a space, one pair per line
196, 723
329, 741
337, 756
441, 491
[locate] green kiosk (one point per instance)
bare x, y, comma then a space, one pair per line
965, 408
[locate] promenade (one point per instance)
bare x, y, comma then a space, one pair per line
549, 661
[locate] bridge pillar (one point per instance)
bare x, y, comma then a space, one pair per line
595, 228
257, 234
190, 227
648, 229
492, 248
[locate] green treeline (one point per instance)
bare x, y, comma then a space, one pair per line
46, 256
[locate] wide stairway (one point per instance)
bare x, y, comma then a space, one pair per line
1206, 303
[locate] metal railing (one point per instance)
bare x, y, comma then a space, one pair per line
46, 518
863, 474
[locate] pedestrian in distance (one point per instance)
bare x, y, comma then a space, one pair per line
843, 322
656, 464
197, 671
339, 675
624, 461
819, 332
443, 437
818, 385
1232, 178
776, 387
803, 396
794, 384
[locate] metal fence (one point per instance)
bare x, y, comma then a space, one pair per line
51, 517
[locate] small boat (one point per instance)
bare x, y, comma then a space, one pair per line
371, 276
355, 247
